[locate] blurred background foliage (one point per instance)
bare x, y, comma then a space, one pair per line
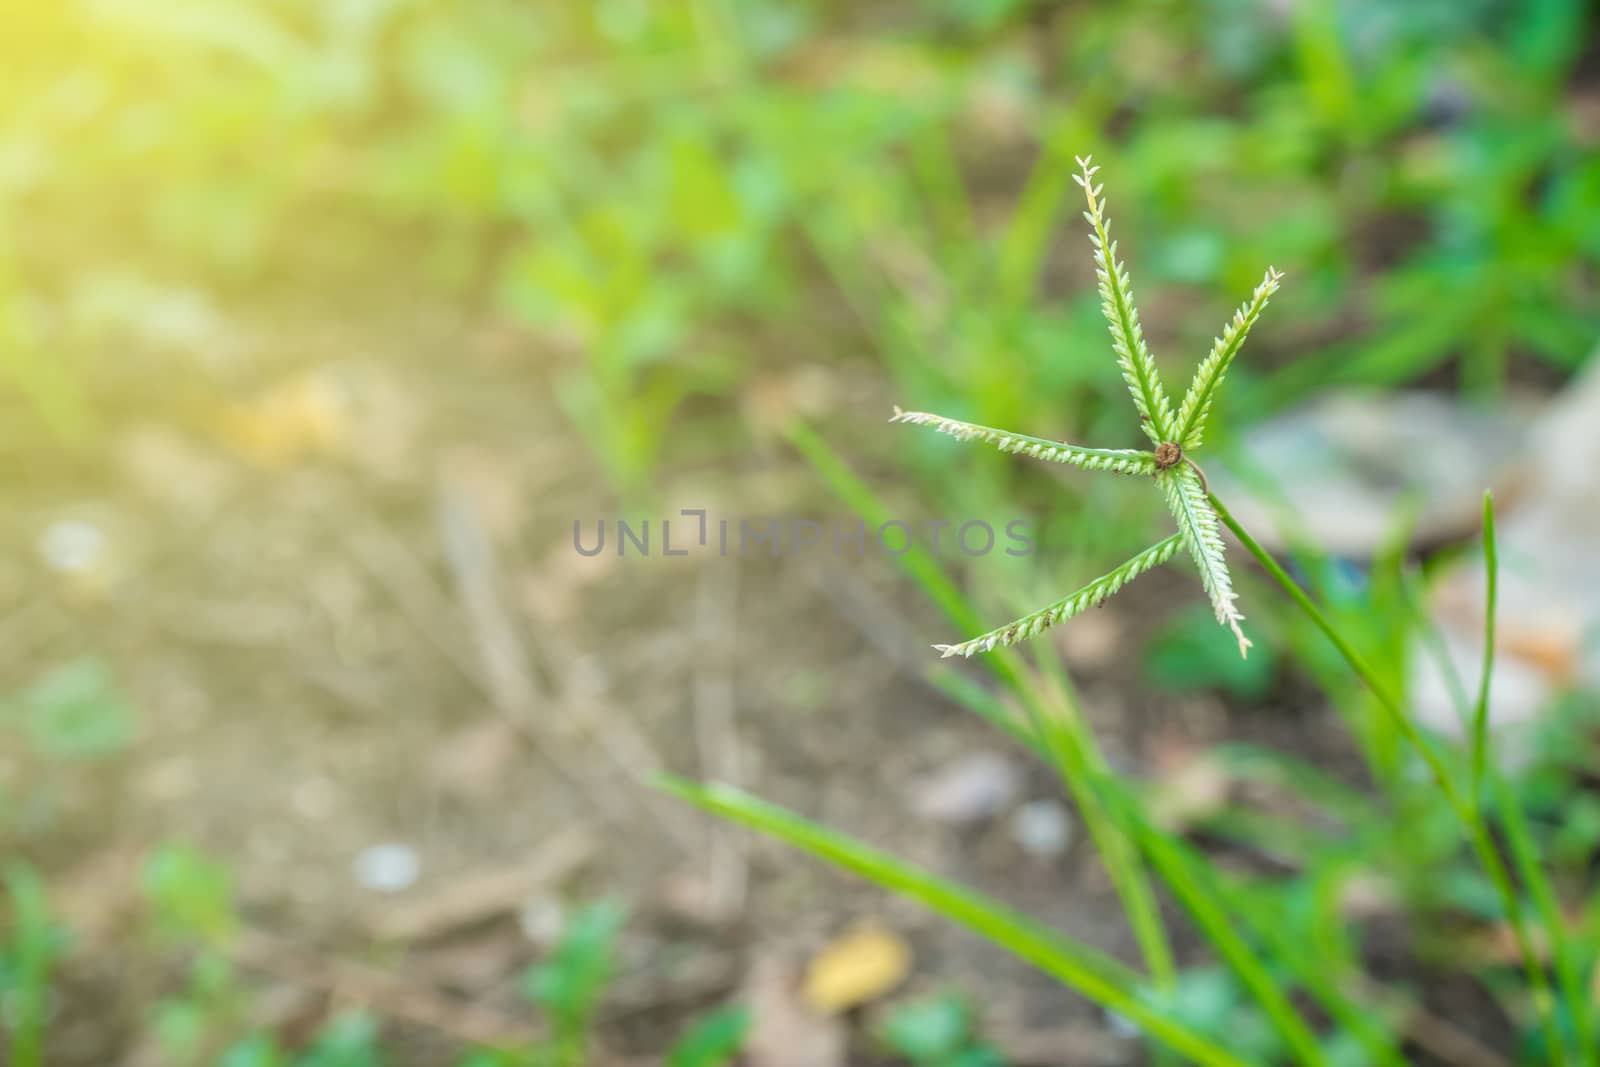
704, 222
669, 198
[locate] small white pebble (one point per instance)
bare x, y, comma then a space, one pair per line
1042, 828
388, 868
72, 546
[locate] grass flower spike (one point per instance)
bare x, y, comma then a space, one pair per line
1120, 460
1174, 435
1116, 302
1196, 406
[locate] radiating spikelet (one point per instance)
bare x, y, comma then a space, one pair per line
1096, 592
1197, 525
1116, 302
1190, 428
1180, 480
1120, 460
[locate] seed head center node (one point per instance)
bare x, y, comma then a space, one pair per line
1168, 454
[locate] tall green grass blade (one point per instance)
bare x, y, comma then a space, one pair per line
1480, 710
1563, 951
1374, 732
1196, 889
1356, 661
1523, 850
1466, 812
1091, 973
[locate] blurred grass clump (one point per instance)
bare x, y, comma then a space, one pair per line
671, 198
209, 1020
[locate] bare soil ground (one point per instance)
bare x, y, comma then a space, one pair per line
349, 613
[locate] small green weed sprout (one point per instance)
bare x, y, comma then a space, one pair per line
713, 1040
28, 951
569, 985
1174, 434
937, 1031
210, 1020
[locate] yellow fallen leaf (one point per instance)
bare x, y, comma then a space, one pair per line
296, 419
857, 968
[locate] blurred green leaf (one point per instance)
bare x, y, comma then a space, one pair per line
702, 200
712, 1041
32, 947
569, 984
1213, 1001
191, 896
926, 1030
258, 1050
76, 712
351, 1040
180, 1028
1187, 655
